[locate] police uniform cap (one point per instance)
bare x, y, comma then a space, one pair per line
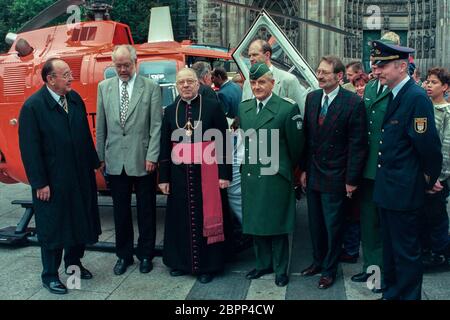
385, 51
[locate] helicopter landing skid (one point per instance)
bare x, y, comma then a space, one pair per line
22, 235
19, 235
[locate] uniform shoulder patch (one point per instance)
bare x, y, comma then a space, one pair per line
289, 100
298, 121
420, 125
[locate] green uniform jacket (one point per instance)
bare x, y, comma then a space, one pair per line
375, 110
268, 201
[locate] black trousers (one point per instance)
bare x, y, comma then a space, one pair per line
326, 219
121, 190
51, 260
403, 270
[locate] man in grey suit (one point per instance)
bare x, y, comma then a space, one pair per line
129, 116
286, 84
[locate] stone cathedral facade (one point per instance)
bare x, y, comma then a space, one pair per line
422, 24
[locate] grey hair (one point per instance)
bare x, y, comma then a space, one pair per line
131, 50
201, 68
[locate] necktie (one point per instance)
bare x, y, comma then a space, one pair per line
324, 110
391, 97
124, 103
380, 90
63, 102
260, 106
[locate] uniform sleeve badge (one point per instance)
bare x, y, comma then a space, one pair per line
299, 121
420, 125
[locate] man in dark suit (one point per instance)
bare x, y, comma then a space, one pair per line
59, 159
229, 94
336, 148
409, 164
129, 116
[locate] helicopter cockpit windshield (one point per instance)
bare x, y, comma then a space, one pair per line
284, 54
162, 72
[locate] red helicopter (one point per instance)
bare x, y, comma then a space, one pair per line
87, 48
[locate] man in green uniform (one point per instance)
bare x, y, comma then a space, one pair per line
272, 127
376, 99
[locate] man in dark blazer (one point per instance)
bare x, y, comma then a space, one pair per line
409, 164
229, 94
336, 148
59, 159
129, 116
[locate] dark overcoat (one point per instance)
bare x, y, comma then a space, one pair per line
57, 151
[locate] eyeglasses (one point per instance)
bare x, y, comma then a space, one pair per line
325, 73
66, 75
125, 65
187, 81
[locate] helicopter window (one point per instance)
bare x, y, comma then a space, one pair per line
110, 72
164, 73
84, 34
160, 71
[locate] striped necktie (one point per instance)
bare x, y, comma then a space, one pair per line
63, 102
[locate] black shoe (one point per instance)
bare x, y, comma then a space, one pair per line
121, 266
177, 273
85, 274
434, 260
360, 277
311, 271
205, 277
255, 274
281, 280
55, 287
377, 291
146, 266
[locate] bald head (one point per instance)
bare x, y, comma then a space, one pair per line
187, 72
57, 75
187, 84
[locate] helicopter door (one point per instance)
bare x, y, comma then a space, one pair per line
163, 72
284, 54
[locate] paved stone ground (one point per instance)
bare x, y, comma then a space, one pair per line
20, 271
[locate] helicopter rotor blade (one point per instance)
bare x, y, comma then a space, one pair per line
48, 14
298, 19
